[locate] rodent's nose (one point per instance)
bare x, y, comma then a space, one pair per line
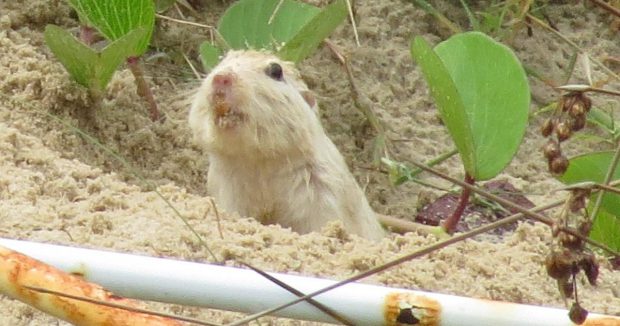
223, 80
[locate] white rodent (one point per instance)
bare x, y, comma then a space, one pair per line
269, 157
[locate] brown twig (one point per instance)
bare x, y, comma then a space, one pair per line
399, 225
298, 293
588, 88
119, 306
143, 89
571, 43
606, 6
364, 105
217, 217
607, 188
194, 70
353, 22
180, 21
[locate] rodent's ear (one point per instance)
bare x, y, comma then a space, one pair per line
309, 98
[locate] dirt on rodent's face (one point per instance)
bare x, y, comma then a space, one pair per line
244, 112
59, 187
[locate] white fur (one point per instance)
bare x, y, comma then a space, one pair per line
276, 165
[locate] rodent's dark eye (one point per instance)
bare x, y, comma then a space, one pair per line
274, 71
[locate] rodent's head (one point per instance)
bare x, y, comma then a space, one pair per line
253, 103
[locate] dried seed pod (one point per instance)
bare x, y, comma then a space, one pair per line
584, 227
555, 270
555, 229
570, 241
577, 314
578, 109
578, 199
560, 265
568, 101
563, 130
547, 127
576, 203
558, 165
590, 267
577, 123
586, 101
566, 287
552, 149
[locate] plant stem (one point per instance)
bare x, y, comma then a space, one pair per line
143, 88
433, 162
87, 35
472, 19
426, 6
571, 67
571, 43
364, 105
509, 204
613, 10
610, 174
449, 225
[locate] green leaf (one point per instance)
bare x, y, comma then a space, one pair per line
79, 60
89, 68
398, 173
593, 167
210, 55
262, 24
495, 93
314, 32
116, 18
116, 53
606, 229
605, 120
290, 28
448, 100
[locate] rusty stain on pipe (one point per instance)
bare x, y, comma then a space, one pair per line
18, 271
404, 309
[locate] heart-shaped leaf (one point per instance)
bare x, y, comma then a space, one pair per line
264, 24
491, 88
448, 100
606, 229
88, 67
210, 55
314, 32
593, 167
117, 52
290, 28
116, 18
79, 60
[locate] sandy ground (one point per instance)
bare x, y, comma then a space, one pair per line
57, 187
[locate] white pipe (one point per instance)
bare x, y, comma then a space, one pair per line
243, 290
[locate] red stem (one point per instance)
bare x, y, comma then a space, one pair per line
450, 223
143, 88
87, 35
